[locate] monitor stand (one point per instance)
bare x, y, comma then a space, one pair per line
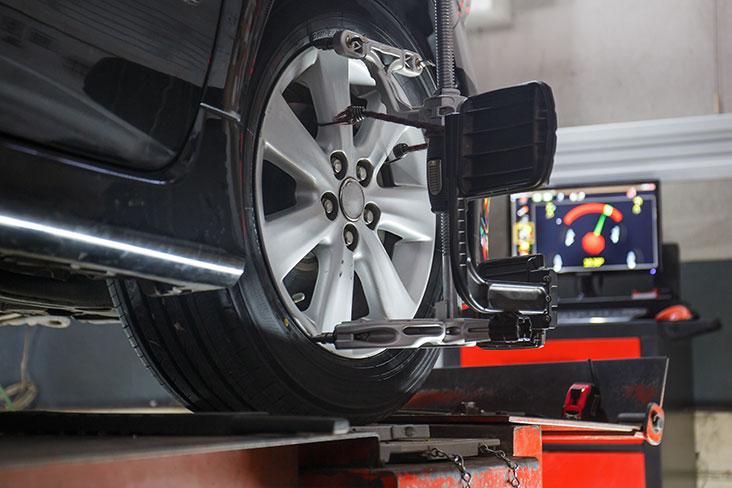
600, 290
586, 286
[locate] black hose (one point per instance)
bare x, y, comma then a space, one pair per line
445, 44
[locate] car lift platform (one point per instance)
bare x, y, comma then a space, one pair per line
414, 448
41, 449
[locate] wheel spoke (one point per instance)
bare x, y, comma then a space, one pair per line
410, 170
292, 233
405, 212
333, 295
289, 146
328, 80
376, 138
385, 292
358, 73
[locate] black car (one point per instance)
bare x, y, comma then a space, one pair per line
172, 163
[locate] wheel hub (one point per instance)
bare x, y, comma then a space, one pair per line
352, 199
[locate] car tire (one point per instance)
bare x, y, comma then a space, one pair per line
250, 347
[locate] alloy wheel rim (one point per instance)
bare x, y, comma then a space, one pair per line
337, 222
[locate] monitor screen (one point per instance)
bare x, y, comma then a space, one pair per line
589, 228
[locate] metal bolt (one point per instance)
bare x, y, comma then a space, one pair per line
362, 173
368, 216
354, 43
328, 205
348, 237
656, 423
337, 164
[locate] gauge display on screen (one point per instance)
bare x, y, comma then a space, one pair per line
590, 228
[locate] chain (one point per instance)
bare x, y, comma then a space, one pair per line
511, 476
456, 459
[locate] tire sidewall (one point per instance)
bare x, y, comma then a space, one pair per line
373, 384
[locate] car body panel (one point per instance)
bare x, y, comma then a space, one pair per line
115, 80
190, 208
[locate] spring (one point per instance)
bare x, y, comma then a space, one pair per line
444, 233
445, 44
355, 114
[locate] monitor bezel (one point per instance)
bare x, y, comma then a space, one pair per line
659, 243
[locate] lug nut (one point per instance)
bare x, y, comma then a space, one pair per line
361, 173
337, 165
338, 162
329, 205
371, 215
350, 237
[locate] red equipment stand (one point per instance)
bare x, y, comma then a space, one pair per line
359, 457
354, 459
617, 464
465, 445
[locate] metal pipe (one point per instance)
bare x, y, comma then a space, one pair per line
448, 286
445, 57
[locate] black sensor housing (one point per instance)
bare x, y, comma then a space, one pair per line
502, 141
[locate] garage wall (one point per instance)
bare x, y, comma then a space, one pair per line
627, 61
698, 216
614, 61
83, 366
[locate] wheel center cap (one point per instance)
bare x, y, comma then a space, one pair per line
352, 199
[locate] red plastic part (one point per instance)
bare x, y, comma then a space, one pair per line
555, 351
576, 400
674, 313
594, 470
577, 439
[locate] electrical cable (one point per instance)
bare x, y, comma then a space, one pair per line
356, 113
19, 396
8, 401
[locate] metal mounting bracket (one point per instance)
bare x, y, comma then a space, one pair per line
403, 62
500, 331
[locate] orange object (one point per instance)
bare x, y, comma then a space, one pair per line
556, 350
594, 470
590, 208
594, 244
674, 313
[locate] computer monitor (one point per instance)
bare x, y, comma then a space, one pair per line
589, 228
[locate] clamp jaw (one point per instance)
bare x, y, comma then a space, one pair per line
403, 62
522, 294
490, 144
